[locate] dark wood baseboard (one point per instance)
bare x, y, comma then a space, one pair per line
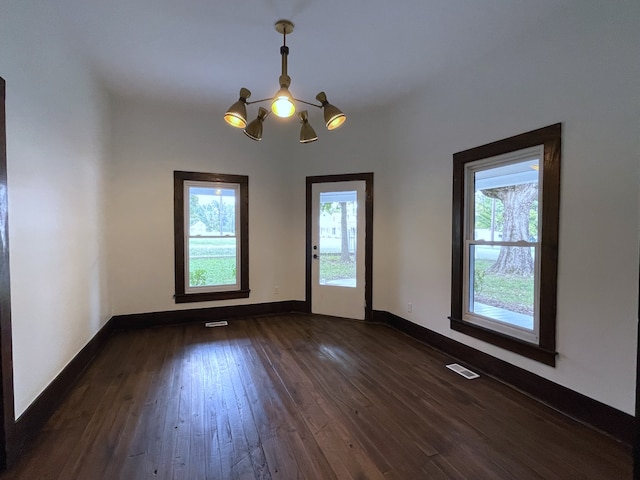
176, 317
27, 426
605, 418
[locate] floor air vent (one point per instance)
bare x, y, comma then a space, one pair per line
465, 372
221, 323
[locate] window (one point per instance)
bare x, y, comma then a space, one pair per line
505, 238
211, 236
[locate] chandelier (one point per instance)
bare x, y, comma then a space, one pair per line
283, 104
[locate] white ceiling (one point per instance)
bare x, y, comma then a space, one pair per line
358, 51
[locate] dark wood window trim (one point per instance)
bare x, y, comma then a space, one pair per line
179, 179
8, 443
550, 137
636, 440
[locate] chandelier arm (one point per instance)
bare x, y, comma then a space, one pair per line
260, 101
307, 103
296, 99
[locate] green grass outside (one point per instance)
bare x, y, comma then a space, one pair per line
202, 247
212, 271
222, 270
331, 268
505, 291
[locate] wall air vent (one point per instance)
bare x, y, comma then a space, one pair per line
465, 372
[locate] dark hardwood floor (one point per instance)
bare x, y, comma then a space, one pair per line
302, 397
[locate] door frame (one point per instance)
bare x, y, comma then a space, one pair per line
368, 235
7, 411
636, 420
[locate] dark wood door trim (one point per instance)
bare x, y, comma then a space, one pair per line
636, 440
6, 363
368, 242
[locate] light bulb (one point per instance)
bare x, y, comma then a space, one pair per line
282, 104
283, 107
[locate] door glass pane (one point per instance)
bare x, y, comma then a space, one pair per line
500, 296
337, 238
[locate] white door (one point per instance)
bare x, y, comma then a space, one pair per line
338, 249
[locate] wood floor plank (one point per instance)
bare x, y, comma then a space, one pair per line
338, 442
162, 448
354, 406
141, 461
302, 397
289, 448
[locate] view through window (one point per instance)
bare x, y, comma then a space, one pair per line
212, 217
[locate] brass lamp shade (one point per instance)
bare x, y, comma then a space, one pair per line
236, 115
333, 116
254, 129
307, 134
282, 104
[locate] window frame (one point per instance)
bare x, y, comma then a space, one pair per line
549, 137
470, 170
182, 180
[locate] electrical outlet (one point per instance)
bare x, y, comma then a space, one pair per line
409, 307
276, 290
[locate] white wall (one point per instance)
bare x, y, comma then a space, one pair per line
55, 142
361, 145
583, 71
150, 140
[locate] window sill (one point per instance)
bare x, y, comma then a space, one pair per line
210, 296
526, 349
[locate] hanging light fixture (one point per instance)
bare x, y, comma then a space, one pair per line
283, 104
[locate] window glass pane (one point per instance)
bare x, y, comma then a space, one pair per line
506, 203
500, 296
488, 218
212, 211
337, 239
212, 262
